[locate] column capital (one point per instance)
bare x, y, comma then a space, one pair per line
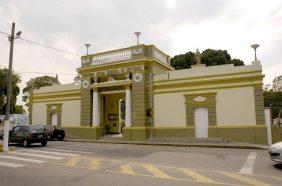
127, 86
95, 89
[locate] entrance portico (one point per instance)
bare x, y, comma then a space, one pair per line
105, 97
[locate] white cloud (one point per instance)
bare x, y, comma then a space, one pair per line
173, 26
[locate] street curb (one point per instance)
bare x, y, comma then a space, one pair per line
233, 146
10, 148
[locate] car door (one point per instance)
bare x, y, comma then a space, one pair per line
23, 133
13, 135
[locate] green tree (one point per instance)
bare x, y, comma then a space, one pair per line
273, 97
277, 83
38, 82
183, 61
3, 89
19, 109
210, 57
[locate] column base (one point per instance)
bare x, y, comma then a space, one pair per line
88, 133
135, 133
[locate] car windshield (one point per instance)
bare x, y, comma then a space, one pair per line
36, 129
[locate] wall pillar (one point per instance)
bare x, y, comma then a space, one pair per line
128, 114
96, 109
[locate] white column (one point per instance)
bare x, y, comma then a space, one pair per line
96, 112
128, 107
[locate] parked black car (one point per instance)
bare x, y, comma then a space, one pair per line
55, 132
26, 135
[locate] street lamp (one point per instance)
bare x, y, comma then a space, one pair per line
137, 35
11, 38
255, 46
87, 46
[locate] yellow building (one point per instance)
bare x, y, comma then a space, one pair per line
135, 91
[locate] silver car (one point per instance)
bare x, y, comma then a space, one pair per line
275, 152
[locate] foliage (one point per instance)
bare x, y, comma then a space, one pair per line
277, 83
38, 82
273, 98
19, 110
183, 61
210, 57
3, 89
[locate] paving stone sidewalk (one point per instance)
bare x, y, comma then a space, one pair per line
179, 144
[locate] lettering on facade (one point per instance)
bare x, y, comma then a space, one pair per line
118, 71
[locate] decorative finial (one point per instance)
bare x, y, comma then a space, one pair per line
198, 57
255, 46
137, 35
87, 46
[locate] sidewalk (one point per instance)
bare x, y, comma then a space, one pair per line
179, 144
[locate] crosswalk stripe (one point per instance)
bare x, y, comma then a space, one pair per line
95, 164
72, 162
196, 175
96, 146
52, 152
245, 179
127, 169
6, 164
66, 150
156, 172
85, 147
248, 166
38, 155
21, 159
81, 149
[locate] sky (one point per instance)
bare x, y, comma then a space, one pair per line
174, 26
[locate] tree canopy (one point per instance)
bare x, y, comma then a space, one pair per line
38, 82
277, 84
3, 90
273, 97
210, 57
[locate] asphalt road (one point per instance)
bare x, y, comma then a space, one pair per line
75, 163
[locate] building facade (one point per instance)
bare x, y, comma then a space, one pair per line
134, 91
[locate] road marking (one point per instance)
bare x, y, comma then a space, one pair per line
22, 159
6, 164
98, 145
52, 152
38, 155
127, 169
72, 162
81, 149
248, 166
245, 179
156, 172
196, 175
95, 164
65, 150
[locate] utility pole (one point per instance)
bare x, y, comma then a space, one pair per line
9, 89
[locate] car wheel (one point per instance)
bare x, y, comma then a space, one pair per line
44, 143
25, 143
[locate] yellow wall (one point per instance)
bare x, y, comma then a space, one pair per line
234, 106
39, 114
70, 113
169, 110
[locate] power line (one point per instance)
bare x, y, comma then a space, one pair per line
44, 73
4, 33
44, 45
